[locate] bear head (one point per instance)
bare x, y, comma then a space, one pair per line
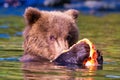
48, 33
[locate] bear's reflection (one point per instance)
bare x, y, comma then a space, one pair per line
50, 71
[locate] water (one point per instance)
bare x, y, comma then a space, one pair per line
15, 70
104, 32
47, 71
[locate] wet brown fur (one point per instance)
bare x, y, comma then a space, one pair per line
47, 34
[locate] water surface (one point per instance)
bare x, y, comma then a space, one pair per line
15, 70
104, 32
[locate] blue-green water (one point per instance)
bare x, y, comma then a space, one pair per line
36, 71
15, 70
104, 32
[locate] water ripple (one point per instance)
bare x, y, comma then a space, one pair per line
112, 76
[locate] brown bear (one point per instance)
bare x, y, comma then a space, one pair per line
48, 33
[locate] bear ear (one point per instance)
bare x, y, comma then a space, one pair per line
31, 15
74, 13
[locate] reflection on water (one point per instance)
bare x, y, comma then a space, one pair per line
15, 70
49, 71
112, 76
12, 69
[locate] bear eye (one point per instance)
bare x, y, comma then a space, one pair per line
52, 37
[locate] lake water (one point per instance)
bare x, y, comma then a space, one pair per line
104, 32
10, 69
